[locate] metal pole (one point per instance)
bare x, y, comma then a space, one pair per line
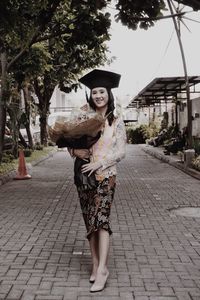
189, 102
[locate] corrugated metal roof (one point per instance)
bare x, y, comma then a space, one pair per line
163, 89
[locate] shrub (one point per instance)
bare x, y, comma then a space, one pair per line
7, 158
151, 131
50, 143
196, 145
140, 134
196, 163
27, 152
136, 135
129, 134
172, 131
38, 146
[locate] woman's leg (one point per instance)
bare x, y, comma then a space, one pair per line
104, 239
94, 248
102, 271
102, 274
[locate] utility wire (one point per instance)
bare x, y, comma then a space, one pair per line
181, 20
168, 44
191, 19
164, 54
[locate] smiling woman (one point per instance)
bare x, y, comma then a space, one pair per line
100, 161
100, 97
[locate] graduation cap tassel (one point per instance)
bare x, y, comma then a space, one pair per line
86, 95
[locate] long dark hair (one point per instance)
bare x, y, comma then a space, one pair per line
111, 106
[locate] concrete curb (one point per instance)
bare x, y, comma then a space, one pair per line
177, 164
10, 175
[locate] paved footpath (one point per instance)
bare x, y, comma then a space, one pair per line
154, 255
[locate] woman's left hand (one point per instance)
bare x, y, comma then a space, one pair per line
91, 167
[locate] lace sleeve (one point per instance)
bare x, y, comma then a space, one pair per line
119, 148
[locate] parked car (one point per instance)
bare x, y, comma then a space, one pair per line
8, 142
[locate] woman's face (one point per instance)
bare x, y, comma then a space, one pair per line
100, 97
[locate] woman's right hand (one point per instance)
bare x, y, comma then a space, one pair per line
82, 153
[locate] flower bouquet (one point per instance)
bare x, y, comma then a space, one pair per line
80, 132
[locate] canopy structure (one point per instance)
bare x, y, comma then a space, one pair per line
164, 89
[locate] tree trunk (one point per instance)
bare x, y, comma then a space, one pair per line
2, 126
16, 141
22, 140
29, 135
43, 129
43, 93
14, 113
4, 95
27, 110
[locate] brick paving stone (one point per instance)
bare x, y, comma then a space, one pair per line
71, 296
15, 293
28, 296
167, 291
154, 255
141, 298
48, 297
126, 296
4, 290
98, 298
162, 298
183, 296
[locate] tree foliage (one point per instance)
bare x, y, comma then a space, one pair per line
132, 13
145, 13
49, 43
195, 4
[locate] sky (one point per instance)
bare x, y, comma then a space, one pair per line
143, 55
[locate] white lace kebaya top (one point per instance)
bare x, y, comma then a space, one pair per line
110, 148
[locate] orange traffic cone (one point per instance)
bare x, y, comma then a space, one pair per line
22, 171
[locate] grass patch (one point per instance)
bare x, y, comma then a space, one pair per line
35, 156
7, 167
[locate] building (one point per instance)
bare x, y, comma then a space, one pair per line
61, 101
168, 94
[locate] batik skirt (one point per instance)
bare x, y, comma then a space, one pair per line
96, 205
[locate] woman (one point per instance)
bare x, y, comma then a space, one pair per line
104, 154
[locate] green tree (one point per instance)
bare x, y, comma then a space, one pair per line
71, 54
25, 23
35, 62
59, 60
22, 23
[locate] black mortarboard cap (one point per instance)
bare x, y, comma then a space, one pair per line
101, 78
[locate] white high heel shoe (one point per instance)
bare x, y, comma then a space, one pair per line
99, 285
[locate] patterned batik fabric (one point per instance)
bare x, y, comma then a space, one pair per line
96, 205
